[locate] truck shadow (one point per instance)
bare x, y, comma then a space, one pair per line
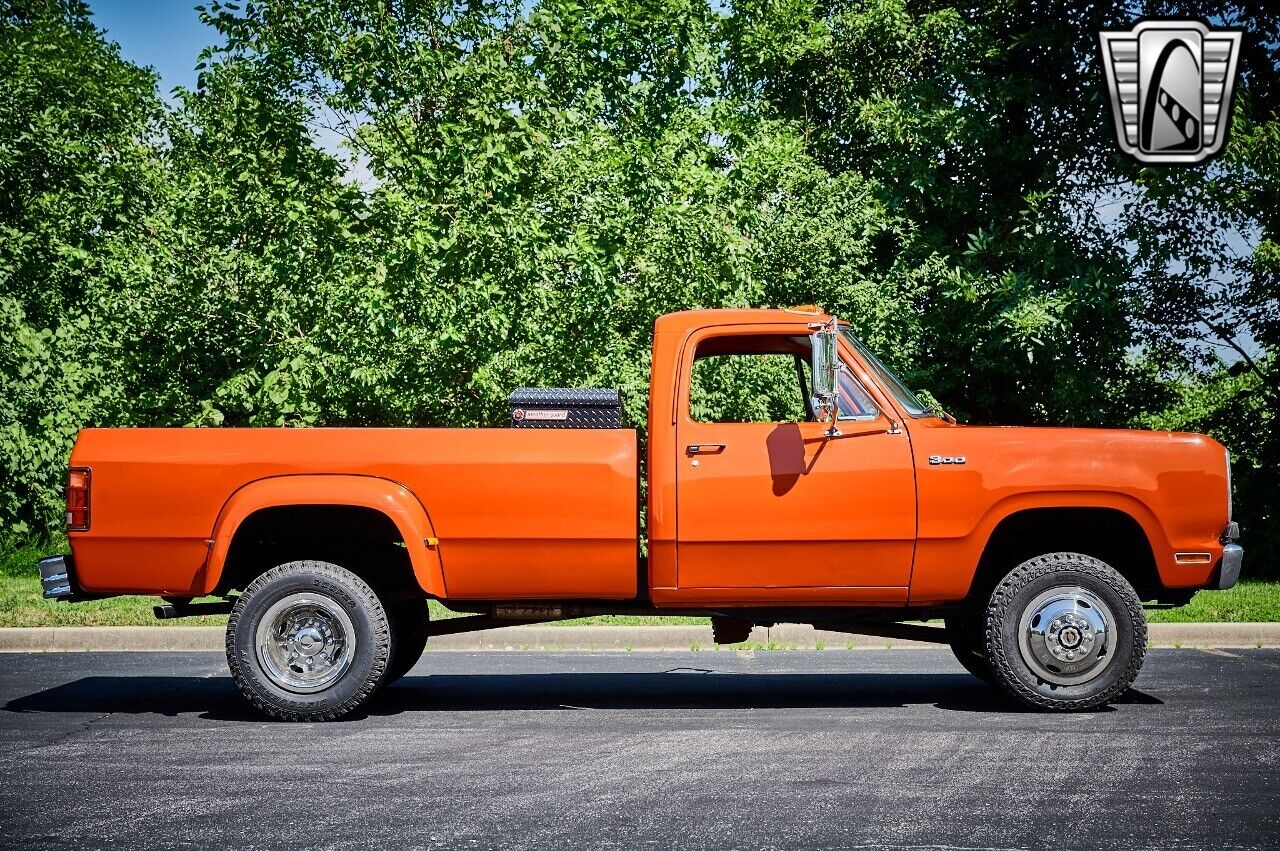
218, 699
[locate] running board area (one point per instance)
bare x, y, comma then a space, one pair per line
901, 631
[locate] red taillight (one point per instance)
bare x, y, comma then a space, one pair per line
78, 499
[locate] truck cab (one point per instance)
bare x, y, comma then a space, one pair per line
762, 499
791, 476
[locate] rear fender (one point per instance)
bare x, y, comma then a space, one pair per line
390, 498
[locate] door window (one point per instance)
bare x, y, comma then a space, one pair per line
764, 379
756, 388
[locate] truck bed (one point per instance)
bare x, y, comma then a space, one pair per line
517, 513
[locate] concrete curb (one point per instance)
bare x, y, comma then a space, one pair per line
617, 638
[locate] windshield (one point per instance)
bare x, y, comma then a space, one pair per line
909, 401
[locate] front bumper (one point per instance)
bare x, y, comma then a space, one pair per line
1232, 556
1229, 571
57, 577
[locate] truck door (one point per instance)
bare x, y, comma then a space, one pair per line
766, 500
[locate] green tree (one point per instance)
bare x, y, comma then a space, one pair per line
521, 188
547, 181
80, 183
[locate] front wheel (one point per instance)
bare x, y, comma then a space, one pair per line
308, 641
1064, 632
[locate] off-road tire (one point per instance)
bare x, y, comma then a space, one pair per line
965, 634
369, 663
1020, 587
409, 622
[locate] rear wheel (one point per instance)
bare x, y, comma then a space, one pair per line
308, 641
1065, 631
409, 622
965, 635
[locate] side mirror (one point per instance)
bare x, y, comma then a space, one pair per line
823, 362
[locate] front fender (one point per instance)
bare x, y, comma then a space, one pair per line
390, 498
948, 554
1135, 509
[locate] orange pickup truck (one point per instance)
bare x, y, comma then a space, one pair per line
828, 494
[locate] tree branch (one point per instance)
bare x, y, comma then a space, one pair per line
1230, 341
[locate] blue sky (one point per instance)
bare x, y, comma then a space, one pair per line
165, 34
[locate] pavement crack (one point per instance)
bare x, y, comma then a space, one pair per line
139, 707
81, 727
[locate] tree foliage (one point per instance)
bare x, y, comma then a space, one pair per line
392, 213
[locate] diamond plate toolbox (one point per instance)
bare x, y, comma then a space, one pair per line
565, 407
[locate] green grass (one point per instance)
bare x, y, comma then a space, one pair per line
21, 603
1247, 602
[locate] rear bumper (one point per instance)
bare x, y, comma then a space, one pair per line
57, 577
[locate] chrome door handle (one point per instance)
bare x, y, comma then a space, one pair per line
704, 448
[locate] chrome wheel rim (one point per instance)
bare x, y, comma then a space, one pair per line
305, 642
1067, 636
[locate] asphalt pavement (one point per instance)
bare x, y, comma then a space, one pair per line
714, 749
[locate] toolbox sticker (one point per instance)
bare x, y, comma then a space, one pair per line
540, 416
